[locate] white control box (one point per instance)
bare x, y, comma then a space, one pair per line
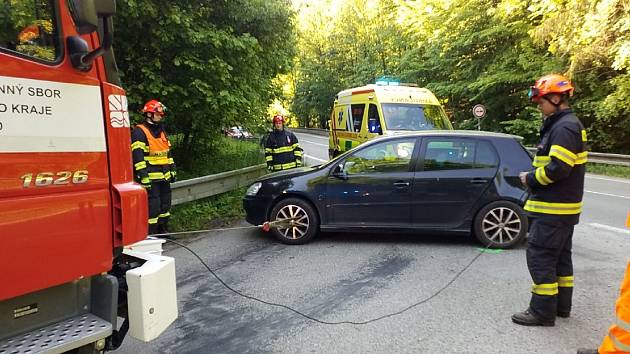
152, 296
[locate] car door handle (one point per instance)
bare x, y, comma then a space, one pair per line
401, 184
478, 181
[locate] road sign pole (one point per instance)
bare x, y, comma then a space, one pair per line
479, 111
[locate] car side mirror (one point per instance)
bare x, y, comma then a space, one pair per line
338, 172
86, 15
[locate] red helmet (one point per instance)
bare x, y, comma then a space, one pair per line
154, 106
278, 118
547, 84
29, 33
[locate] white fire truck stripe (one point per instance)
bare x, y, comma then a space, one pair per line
47, 116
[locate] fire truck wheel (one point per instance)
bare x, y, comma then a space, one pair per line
302, 221
501, 224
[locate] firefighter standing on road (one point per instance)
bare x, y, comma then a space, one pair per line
555, 202
282, 151
618, 339
153, 164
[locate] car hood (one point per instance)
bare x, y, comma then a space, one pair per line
294, 172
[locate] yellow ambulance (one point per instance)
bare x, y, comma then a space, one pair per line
363, 113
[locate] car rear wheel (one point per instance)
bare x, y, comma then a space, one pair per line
501, 224
298, 221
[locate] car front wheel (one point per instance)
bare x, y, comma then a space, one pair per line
297, 221
501, 224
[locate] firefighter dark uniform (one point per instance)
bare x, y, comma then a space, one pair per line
282, 151
155, 170
554, 206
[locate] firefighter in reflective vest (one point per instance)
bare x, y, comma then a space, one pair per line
618, 339
282, 151
153, 164
555, 202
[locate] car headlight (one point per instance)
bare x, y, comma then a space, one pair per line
253, 189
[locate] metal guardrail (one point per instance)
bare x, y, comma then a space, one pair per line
207, 186
598, 157
314, 131
595, 157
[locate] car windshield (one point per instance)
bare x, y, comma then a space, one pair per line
414, 117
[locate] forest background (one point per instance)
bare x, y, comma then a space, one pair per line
219, 63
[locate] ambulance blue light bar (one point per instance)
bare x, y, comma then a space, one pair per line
387, 81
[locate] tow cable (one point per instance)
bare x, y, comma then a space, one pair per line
267, 226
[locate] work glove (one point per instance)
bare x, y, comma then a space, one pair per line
145, 182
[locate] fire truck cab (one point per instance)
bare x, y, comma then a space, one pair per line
68, 203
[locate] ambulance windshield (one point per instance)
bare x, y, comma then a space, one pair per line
414, 117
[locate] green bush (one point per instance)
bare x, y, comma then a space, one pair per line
226, 155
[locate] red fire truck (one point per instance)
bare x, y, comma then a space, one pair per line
68, 204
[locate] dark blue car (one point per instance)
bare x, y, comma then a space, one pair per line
429, 181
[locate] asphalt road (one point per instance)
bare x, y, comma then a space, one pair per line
358, 277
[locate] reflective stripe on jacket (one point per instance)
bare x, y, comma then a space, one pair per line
151, 154
158, 147
282, 151
557, 183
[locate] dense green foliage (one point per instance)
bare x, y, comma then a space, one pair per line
473, 51
224, 154
211, 62
27, 27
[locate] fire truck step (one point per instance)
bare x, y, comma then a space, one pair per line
59, 337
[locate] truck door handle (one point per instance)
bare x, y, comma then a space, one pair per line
478, 181
401, 184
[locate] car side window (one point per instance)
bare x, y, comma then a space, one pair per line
357, 116
390, 156
449, 154
486, 156
29, 28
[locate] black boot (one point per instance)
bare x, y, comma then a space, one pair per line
526, 318
587, 351
162, 229
564, 314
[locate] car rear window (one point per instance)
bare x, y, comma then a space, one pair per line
457, 154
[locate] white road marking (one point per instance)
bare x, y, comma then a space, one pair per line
608, 179
314, 143
609, 228
608, 194
315, 158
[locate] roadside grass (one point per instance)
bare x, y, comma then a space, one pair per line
608, 170
216, 211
